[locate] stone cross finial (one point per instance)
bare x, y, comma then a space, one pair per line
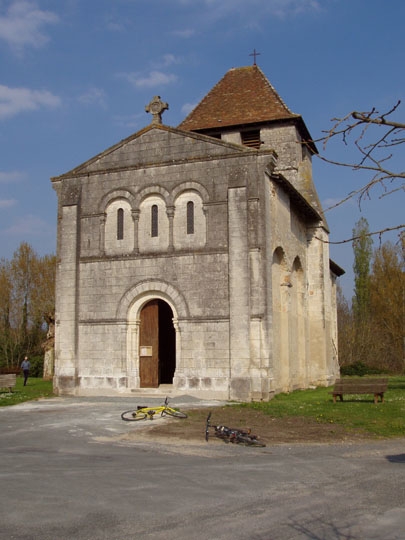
254, 54
156, 107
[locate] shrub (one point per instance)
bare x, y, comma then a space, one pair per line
37, 366
359, 369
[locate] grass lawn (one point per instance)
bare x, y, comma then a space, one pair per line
356, 412
35, 389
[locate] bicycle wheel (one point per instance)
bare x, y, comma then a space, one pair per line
133, 416
255, 442
249, 441
172, 412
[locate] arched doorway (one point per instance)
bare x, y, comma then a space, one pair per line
157, 345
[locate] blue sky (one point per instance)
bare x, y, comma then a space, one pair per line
75, 76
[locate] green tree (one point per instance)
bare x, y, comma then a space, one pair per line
375, 340
387, 307
363, 250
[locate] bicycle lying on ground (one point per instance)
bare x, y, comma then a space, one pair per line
142, 413
232, 435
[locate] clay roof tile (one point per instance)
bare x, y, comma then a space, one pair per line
243, 96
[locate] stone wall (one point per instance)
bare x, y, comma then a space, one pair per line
248, 286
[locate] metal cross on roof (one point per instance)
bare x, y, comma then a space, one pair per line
254, 54
156, 107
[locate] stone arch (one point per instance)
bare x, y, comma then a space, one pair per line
114, 241
191, 186
116, 194
198, 238
154, 199
152, 190
129, 309
147, 290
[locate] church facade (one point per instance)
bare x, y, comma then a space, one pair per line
195, 259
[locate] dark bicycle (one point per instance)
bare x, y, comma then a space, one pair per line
232, 435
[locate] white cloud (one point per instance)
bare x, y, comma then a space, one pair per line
22, 25
185, 34
252, 12
7, 203
28, 225
188, 107
281, 8
130, 121
16, 100
11, 177
113, 24
170, 59
94, 96
151, 80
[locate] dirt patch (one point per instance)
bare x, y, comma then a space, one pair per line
270, 430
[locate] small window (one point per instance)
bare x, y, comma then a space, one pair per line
190, 217
305, 151
154, 220
120, 224
251, 138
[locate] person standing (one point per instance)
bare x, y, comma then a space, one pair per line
25, 366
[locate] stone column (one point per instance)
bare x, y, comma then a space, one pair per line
170, 215
239, 322
103, 218
135, 217
66, 336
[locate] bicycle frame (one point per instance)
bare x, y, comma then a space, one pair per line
143, 412
151, 411
233, 435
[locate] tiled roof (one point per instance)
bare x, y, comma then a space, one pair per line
242, 96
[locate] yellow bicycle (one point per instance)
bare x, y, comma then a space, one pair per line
142, 413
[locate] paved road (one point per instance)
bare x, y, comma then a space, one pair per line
71, 469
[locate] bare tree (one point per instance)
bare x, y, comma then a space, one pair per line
376, 138
27, 299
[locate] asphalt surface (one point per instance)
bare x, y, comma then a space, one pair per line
70, 468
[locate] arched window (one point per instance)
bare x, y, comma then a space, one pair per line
154, 220
190, 217
120, 224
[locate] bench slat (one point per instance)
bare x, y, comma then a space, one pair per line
360, 386
8, 381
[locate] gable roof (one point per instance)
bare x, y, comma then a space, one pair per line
243, 96
165, 145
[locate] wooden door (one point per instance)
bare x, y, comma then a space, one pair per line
149, 345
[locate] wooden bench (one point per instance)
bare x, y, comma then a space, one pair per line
8, 381
360, 386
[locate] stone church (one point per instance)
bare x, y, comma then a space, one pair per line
194, 259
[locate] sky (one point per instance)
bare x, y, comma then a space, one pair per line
75, 76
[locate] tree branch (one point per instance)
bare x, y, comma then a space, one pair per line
358, 129
374, 233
